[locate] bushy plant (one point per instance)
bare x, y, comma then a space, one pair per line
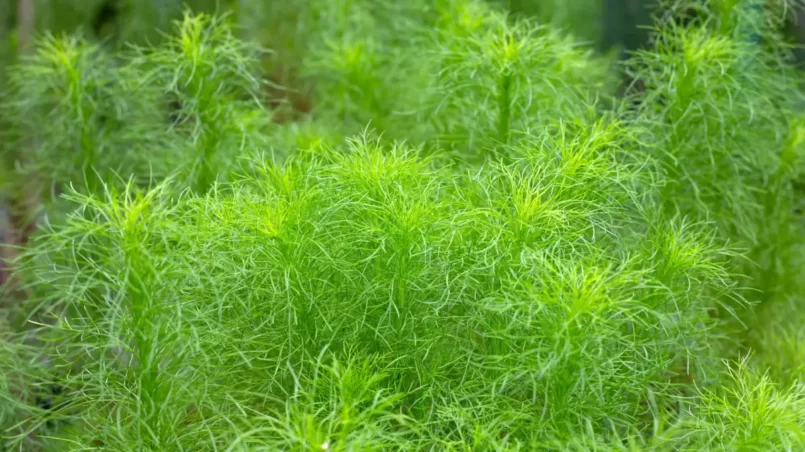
721, 107
466, 76
468, 244
454, 296
148, 112
713, 99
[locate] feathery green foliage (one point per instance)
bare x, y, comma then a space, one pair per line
469, 243
465, 77
148, 112
503, 291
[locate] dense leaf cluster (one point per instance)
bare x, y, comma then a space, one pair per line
469, 243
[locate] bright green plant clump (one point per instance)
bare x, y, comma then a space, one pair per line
513, 260
456, 75
366, 299
499, 81
147, 113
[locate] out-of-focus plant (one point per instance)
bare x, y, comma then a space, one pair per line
146, 113
720, 103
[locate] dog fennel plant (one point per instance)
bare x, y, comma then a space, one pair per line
470, 79
514, 265
145, 112
392, 304
722, 108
